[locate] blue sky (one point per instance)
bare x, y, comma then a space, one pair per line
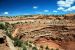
25, 7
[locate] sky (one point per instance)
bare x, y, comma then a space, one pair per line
28, 7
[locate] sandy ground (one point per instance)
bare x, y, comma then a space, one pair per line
15, 32
10, 44
51, 44
4, 48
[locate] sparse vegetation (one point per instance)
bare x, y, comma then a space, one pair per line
34, 48
24, 48
47, 48
52, 28
57, 49
18, 42
51, 49
41, 47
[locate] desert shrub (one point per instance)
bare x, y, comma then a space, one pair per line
18, 23
30, 45
7, 24
34, 48
30, 41
24, 48
26, 43
2, 26
57, 49
47, 48
51, 49
17, 42
9, 34
41, 47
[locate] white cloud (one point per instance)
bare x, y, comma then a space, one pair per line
35, 7
70, 8
63, 3
5, 12
46, 10
60, 8
66, 5
55, 11
70, 1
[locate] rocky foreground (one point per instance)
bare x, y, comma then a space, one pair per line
42, 32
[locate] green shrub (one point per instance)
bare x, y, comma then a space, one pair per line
24, 48
2, 26
30, 41
51, 49
17, 42
47, 48
30, 45
26, 43
34, 48
41, 47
